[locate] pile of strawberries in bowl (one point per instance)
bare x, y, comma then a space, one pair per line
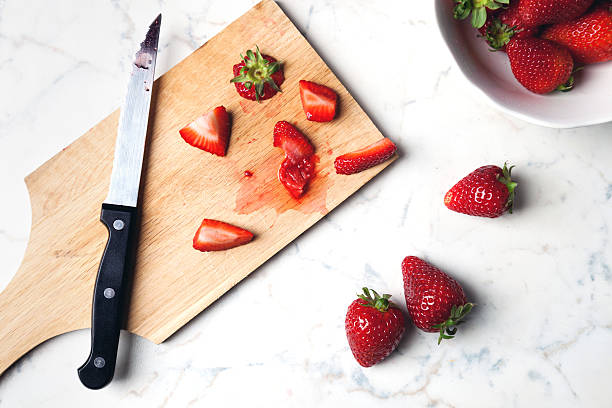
546, 40
543, 47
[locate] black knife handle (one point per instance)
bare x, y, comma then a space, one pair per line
106, 311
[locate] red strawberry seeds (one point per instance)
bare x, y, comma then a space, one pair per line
374, 327
541, 66
363, 159
258, 77
435, 301
539, 12
486, 192
588, 38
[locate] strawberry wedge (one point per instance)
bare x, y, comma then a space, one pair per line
298, 168
365, 158
216, 235
209, 132
318, 101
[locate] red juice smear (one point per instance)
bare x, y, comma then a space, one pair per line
266, 191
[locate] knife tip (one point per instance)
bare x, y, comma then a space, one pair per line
157, 21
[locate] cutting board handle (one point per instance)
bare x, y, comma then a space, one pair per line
34, 306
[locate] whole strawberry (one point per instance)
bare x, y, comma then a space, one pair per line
486, 192
540, 12
435, 301
257, 77
374, 327
588, 38
541, 66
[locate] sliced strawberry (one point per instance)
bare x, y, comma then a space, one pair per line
292, 141
365, 158
318, 101
295, 174
209, 132
216, 235
298, 167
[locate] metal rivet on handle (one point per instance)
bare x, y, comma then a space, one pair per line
99, 362
118, 225
109, 293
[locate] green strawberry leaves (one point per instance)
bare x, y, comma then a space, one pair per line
257, 71
380, 303
499, 34
506, 178
448, 328
478, 10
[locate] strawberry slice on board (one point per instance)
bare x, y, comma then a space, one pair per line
298, 168
209, 132
362, 159
319, 101
216, 235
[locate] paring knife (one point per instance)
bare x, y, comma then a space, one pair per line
119, 212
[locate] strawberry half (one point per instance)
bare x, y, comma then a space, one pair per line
209, 132
216, 235
257, 77
318, 101
365, 158
297, 169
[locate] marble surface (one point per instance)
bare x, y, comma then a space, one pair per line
542, 278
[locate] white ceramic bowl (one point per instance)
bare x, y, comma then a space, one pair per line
589, 103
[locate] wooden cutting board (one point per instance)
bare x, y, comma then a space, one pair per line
52, 291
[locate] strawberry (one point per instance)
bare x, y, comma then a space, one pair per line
318, 101
540, 12
209, 132
478, 9
435, 301
505, 25
216, 235
362, 159
588, 38
374, 327
257, 77
297, 169
486, 192
541, 66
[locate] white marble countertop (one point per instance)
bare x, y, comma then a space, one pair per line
542, 278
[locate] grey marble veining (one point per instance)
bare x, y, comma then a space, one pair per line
542, 278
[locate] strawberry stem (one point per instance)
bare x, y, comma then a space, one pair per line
478, 9
506, 178
448, 328
380, 303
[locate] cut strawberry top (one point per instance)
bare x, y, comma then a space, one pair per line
365, 158
209, 132
257, 77
216, 235
318, 101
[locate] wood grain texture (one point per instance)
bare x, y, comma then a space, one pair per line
52, 290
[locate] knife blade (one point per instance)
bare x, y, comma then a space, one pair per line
119, 212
